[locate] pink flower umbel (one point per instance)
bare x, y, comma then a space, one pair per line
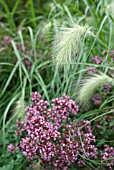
108, 154
48, 132
96, 99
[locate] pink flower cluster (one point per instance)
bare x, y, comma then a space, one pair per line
107, 88
87, 139
62, 107
97, 59
107, 155
48, 133
11, 148
96, 99
91, 70
7, 40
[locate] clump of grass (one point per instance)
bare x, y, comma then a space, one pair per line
67, 42
90, 85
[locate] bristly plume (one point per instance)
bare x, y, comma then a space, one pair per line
67, 43
90, 85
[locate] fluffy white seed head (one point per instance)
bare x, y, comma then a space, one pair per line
90, 85
67, 43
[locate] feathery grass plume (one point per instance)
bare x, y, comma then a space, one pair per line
45, 27
19, 108
90, 85
67, 42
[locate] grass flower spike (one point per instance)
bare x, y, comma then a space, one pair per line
66, 44
90, 85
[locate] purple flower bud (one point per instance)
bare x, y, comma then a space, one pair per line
104, 52
7, 40
10, 148
97, 59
